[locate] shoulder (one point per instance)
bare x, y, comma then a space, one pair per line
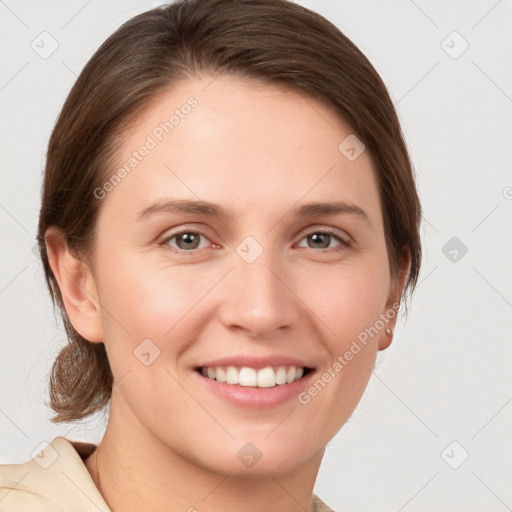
317, 505
55, 479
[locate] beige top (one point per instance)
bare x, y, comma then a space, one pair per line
57, 480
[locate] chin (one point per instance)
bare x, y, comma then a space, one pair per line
259, 458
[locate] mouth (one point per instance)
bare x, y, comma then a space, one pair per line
245, 376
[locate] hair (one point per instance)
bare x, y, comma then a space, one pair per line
276, 42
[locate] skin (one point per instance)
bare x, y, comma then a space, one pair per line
258, 151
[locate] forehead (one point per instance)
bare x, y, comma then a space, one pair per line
242, 143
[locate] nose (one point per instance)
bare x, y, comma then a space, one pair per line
258, 298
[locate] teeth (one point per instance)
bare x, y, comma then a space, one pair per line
248, 377
220, 375
231, 375
281, 375
267, 377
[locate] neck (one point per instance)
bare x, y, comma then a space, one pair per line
162, 480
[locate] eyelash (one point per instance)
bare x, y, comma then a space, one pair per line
344, 244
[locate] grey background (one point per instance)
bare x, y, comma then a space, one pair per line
446, 376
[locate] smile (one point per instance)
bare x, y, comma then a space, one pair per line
267, 377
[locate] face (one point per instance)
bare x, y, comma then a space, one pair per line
260, 287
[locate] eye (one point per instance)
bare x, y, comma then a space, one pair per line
186, 241
323, 239
189, 241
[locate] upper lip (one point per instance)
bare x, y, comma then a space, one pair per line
257, 362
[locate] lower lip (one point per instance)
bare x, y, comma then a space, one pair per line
259, 398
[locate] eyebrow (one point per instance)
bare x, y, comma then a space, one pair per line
214, 210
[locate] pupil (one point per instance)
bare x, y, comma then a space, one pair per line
321, 238
188, 238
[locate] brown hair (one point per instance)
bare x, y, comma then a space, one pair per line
274, 41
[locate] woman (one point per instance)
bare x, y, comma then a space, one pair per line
257, 134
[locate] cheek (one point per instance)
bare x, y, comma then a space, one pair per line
348, 300
150, 316
349, 304
138, 291
147, 300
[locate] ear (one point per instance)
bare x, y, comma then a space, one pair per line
77, 287
391, 310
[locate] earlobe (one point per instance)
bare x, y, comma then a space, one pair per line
393, 303
77, 287
386, 338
